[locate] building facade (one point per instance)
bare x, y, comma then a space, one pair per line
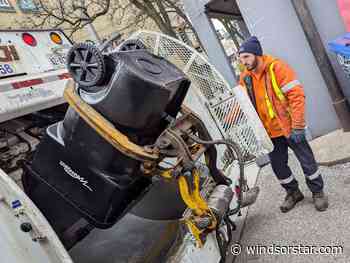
14, 15
12, 12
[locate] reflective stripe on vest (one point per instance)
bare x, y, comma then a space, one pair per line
278, 91
290, 86
269, 106
275, 86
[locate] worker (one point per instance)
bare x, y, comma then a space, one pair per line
279, 100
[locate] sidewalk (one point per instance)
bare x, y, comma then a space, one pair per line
267, 226
333, 146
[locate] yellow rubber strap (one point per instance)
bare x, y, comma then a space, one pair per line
196, 193
167, 174
187, 197
195, 232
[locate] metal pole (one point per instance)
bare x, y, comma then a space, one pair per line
195, 10
93, 33
340, 103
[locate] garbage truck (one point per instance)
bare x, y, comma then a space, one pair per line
128, 155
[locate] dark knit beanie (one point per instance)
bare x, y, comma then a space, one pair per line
251, 45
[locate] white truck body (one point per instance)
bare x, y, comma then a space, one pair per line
15, 245
31, 76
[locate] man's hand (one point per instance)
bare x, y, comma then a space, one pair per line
297, 135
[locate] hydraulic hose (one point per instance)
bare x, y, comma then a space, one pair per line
220, 237
234, 148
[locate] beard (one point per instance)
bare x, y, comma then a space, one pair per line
253, 65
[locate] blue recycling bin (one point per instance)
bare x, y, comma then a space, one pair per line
341, 47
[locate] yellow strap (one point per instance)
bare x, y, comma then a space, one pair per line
196, 194
193, 200
195, 232
187, 197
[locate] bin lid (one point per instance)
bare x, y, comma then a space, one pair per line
25, 234
341, 45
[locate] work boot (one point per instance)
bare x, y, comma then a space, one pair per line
291, 200
320, 201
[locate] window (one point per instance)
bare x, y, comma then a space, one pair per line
27, 6
5, 6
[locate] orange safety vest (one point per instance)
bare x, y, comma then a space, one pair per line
278, 97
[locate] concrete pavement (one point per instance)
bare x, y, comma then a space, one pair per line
333, 146
267, 226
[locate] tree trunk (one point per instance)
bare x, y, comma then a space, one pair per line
151, 11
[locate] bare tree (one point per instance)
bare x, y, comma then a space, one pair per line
236, 28
232, 28
168, 15
157, 11
126, 16
73, 15
67, 14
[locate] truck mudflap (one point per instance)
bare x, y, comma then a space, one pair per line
25, 234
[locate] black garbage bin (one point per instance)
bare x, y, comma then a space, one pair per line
76, 175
